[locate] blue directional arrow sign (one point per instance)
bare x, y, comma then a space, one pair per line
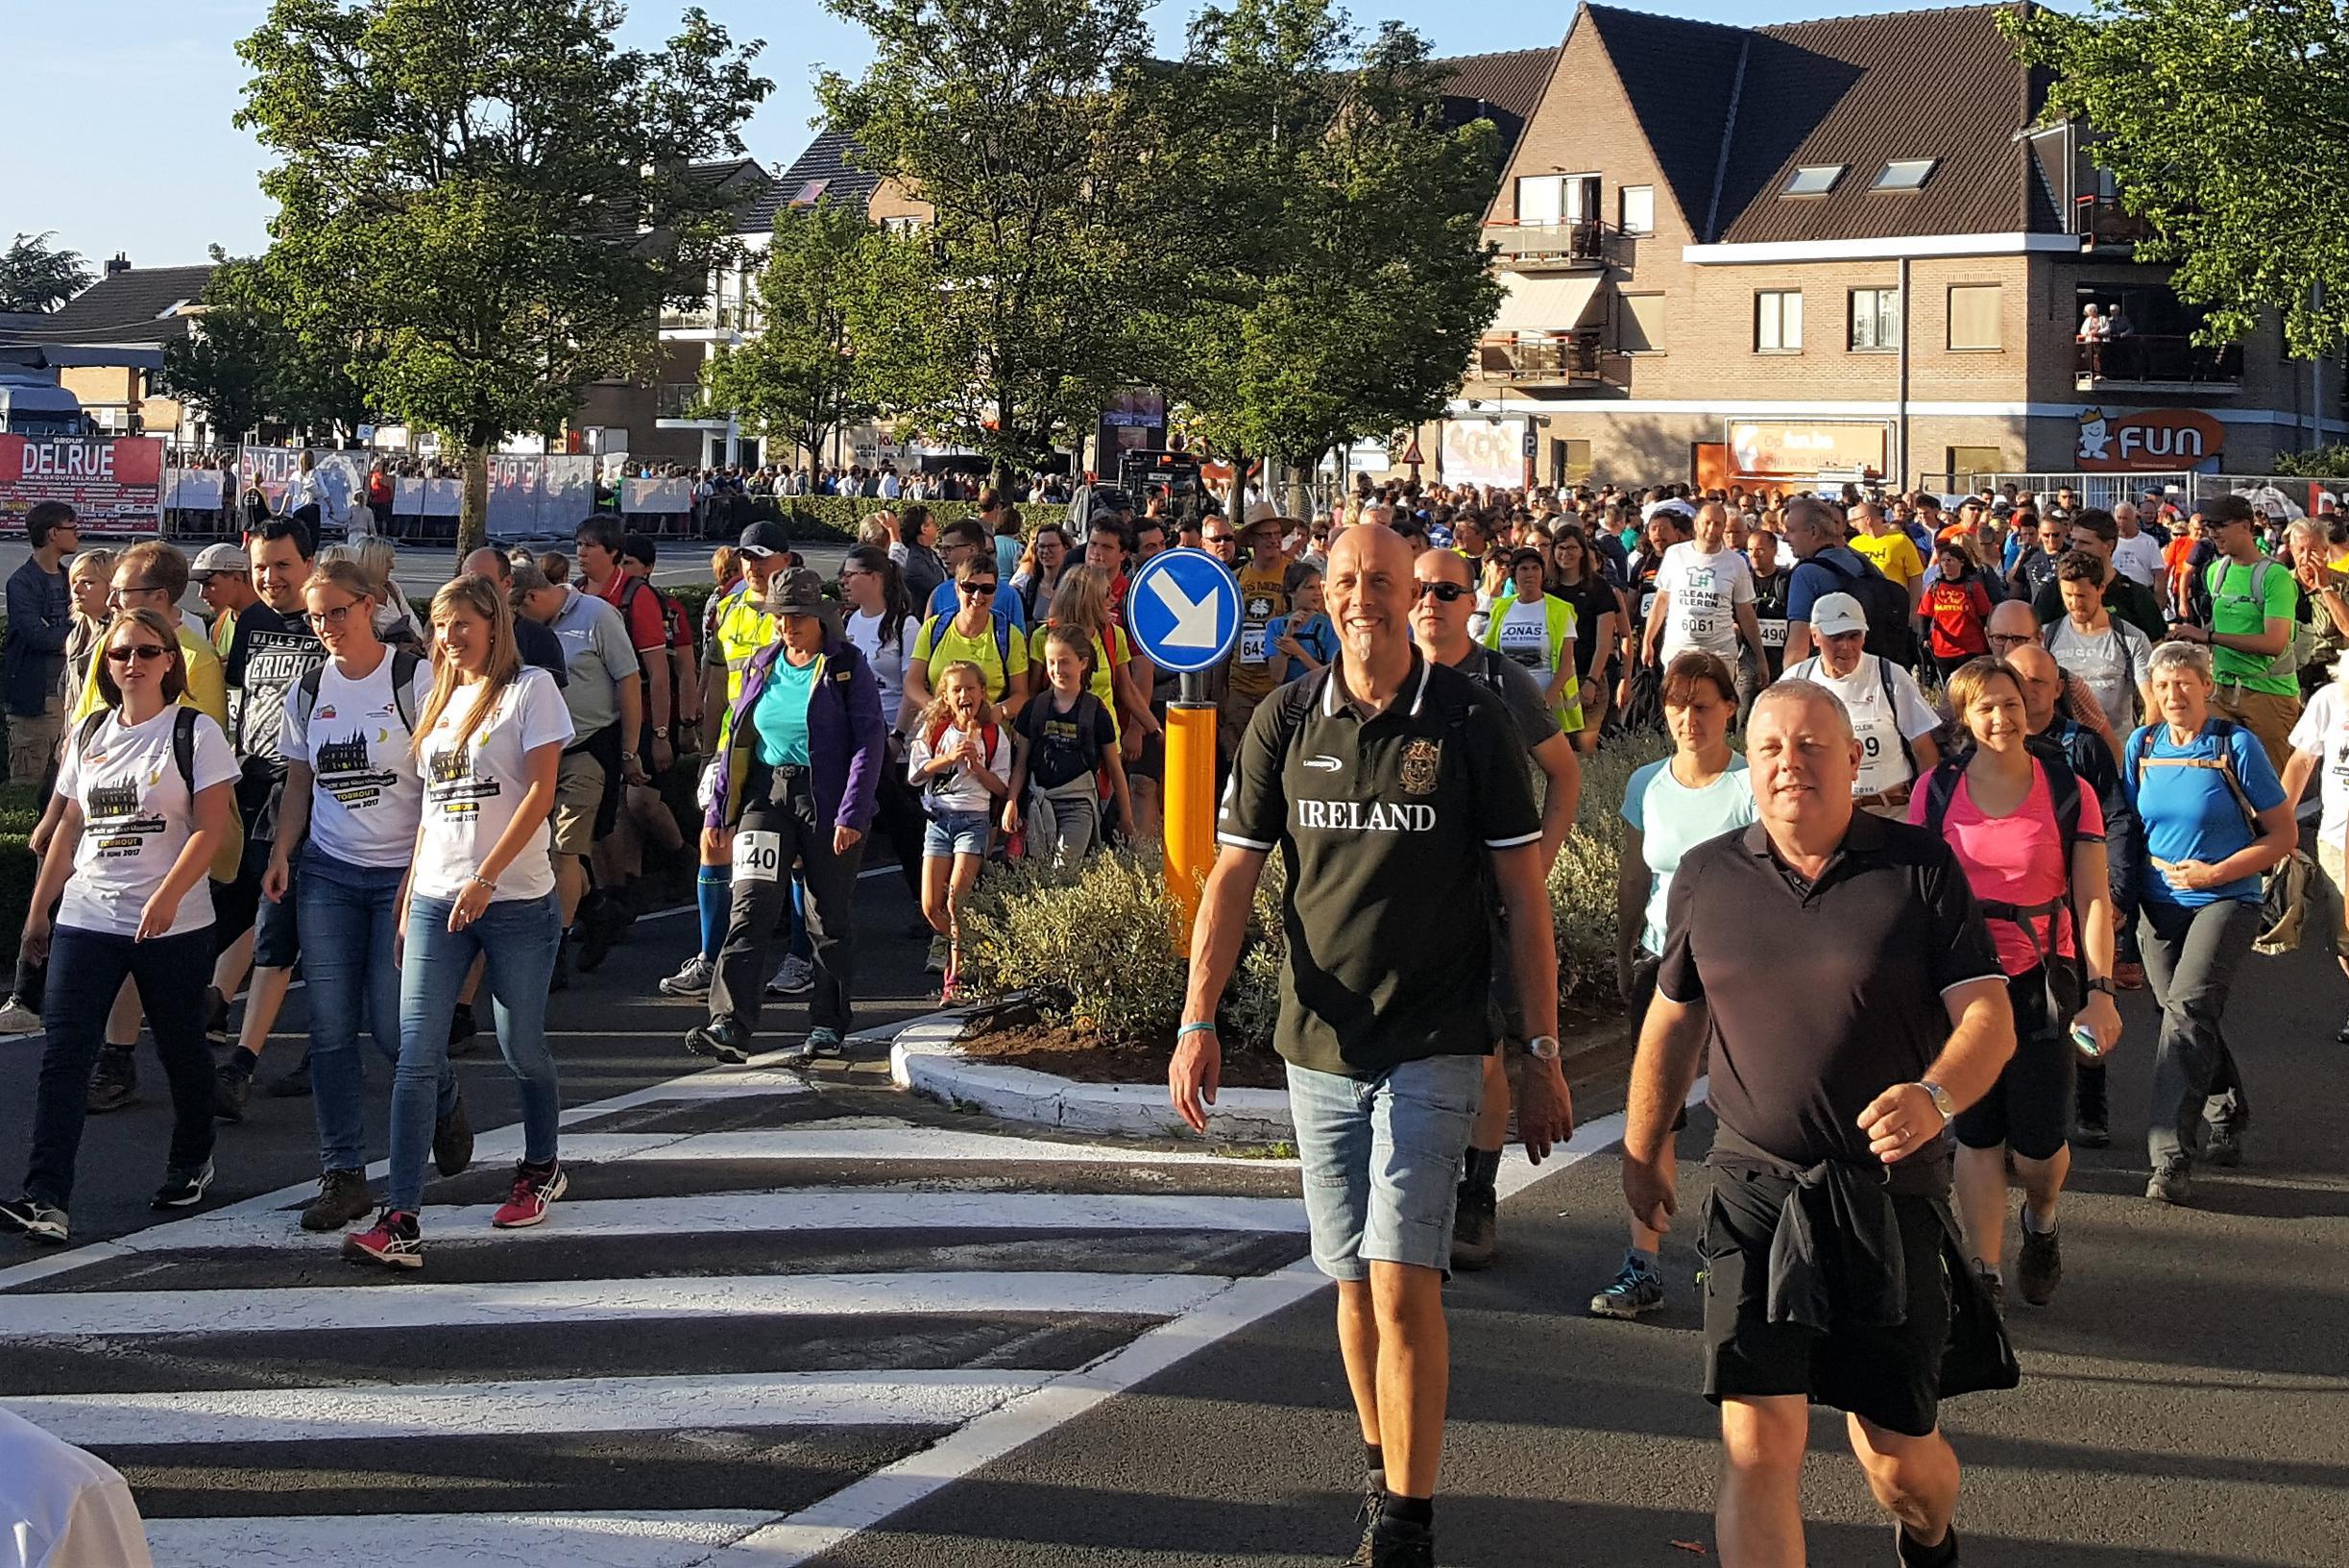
1184, 611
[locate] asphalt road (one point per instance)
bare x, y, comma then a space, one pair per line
778, 1327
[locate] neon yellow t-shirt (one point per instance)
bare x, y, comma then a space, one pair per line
1894, 555
207, 681
939, 644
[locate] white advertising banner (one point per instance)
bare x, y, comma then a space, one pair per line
656, 495
191, 490
1485, 452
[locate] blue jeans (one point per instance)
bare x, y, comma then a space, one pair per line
518, 937
347, 915
1382, 1159
85, 970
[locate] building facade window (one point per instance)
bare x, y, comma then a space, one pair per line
1777, 322
1976, 310
1638, 214
1639, 323
1558, 198
1875, 321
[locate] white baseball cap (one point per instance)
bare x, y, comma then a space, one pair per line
218, 560
1832, 615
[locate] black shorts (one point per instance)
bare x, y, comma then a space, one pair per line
1890, 1376
236, 905
2029, 1108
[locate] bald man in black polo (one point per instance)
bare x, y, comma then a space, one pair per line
1828, 1234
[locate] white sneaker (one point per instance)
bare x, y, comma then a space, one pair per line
17, 1019
693, 979
796, 977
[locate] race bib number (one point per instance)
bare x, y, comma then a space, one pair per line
1774, 634
1647, 604
1882, 763
1251, 644
758, 856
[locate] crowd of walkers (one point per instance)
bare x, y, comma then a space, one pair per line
1963, 768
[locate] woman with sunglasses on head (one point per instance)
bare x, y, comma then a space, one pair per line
353, 799
146, 793
488, 744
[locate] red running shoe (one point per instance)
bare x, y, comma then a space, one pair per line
535, 1187
392, 1240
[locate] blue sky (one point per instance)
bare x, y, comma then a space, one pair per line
128, 121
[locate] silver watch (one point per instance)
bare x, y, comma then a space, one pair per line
1543, 1047
1942, 1101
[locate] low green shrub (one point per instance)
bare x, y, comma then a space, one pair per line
837, 518
20, 808
1583, 879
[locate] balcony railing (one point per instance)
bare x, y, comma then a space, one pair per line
2157, 359
2102, 222
1549, 359
1580, 243
677, 400
731, 316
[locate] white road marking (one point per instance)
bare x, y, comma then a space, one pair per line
527, 1408
794, 1208
812, 1141
450, 1540
391, 1308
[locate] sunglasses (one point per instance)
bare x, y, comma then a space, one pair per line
124, 653
982, 589
1443, 592
135, 587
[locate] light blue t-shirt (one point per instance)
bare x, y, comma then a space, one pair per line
1674, 819
2189, 814
780, 717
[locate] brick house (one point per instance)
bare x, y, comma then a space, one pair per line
107, 344
1834, 246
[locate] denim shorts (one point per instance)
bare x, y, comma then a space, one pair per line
954, 833
1382, 1161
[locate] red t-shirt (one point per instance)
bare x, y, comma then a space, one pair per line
1957, 611
646, 627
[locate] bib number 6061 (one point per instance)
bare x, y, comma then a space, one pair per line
758, 856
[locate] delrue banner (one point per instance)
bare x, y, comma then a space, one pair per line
111, 483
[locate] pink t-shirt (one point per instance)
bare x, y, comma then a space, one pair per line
2017, 859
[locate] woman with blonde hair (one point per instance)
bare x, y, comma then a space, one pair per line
480, 884
396, 619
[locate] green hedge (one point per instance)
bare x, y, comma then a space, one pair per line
837, 517
19, 813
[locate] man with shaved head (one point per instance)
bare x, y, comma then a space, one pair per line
1828, 1235
1393, 786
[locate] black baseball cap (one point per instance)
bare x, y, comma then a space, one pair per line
766, 539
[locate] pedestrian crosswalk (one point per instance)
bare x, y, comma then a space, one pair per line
765, 1319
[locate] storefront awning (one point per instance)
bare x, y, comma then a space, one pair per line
1546, 304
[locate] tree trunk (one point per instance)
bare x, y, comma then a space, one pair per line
1300, 490
473, 509
1235, 504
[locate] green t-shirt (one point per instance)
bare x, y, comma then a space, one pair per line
2234, 611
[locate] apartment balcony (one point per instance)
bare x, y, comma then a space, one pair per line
2158, 362
732, 316
2106, 225
1544, 359
681, 400
1550, 247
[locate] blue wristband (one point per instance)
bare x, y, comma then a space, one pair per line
1190, 1030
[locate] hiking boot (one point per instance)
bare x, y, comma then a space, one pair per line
2091, 1134
1373, 1499
342, 1198
2038, 1268
294, 1083
392, 1242
2174, 1182
29, 1217
461, 1030
694, 979
794, 978
17, 1019
2223, 1147
722, 1040
231, 1090
116, 1082
1634, 1292
184, 1189
1401, 1543
1475, 1229
452, 1140
1992, 1282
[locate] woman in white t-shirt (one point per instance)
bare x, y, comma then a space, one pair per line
353, 799
488, 744
144, 794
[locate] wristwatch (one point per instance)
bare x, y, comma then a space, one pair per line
1543, 1047
2101, 984
1942, 1101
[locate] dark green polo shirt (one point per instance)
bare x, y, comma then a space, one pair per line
1385, 828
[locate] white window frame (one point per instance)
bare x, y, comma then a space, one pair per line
1778, 320
1876, 293
1623, 209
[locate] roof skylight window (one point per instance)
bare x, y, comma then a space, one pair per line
1813, 179
1904, 174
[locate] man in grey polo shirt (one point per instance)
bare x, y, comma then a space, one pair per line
1392, 787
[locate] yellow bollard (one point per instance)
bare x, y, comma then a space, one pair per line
1190, 810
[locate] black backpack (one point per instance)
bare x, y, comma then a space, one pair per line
1886, 603
2066, 979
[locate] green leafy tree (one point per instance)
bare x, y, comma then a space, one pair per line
228, 364
489, 198
2226, 127
2315, 463
1032, 127
824, 297
37, 276
1343, 291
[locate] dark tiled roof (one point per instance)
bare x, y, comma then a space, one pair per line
1849, 90
830, 159
752, 187
1509, 82
125, 307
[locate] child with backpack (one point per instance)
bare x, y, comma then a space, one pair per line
961, 759
1066, 747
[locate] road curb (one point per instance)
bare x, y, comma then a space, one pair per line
927, 1058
